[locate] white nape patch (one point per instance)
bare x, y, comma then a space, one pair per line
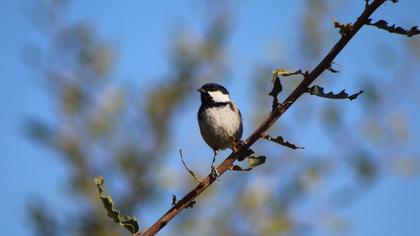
218, 96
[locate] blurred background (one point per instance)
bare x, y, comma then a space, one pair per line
104, 88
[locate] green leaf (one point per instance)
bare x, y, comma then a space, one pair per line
283, 72
128, 222
281, 141
255, 160
319, 91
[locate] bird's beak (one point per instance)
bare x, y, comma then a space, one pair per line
200, 90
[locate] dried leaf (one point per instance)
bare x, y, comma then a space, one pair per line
381, 24
281, 141
128, 222
344, 28
277, 88
173, 199
319, 91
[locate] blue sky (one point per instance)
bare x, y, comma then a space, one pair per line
27, 170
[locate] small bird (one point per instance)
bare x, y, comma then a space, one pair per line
219, 119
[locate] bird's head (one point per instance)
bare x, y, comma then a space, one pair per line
213, 93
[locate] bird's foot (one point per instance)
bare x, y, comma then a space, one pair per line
236, 145
214, 173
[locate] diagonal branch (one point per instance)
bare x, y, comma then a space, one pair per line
268, 122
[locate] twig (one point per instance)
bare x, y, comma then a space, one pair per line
330, 68
344, 28
189, 170
268, 122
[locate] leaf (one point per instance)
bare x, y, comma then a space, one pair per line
381, 24
40, 131
238, 168
364, 166
255, 160
285, 73
281, 141
319, 91
277, 88
344, 28
128, 222
173, 199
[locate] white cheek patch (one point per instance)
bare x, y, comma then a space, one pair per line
218, 96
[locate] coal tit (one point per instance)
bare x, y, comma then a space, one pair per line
219, 119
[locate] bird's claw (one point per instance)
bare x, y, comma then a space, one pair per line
236, 145
214, 173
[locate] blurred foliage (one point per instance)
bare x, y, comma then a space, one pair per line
103, 129
92, 110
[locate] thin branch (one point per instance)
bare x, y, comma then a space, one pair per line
189, 170
330, 68
267, 123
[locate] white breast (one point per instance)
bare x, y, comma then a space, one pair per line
220, 126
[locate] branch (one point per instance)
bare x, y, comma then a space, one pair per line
302, 88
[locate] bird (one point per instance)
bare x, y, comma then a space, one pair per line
219, 119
